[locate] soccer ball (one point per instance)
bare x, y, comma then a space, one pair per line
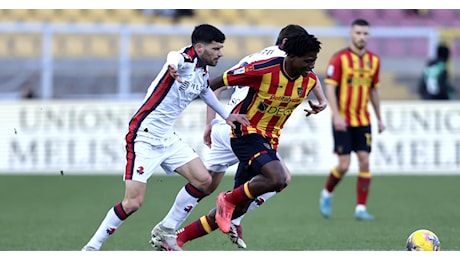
423, 240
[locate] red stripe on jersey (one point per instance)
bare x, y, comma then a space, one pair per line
272, 98
355, 76
149, 105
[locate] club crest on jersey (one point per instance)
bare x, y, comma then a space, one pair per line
140, 170
300, 91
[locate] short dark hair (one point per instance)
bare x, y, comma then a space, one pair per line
443, 52
206, 33
289, 30
360, 22
301, 44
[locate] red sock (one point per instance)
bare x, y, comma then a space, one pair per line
362, 190
196, 229
331, 182
240, 194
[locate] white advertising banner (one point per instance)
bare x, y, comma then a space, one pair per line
87, 137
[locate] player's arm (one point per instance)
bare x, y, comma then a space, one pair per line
217, 82
174, 61
337, 119
375, 98
211, 100
210, 115
320, 97
333, 77
375, 101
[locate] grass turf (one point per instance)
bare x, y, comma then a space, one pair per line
60, 213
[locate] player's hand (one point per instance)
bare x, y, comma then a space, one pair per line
240, 118
174, 72
339, 123
381, 126
315, 108
207, 135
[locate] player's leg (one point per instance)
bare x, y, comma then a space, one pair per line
139, 167
258, 160
236, 229
220, 157
186, 162
342, 148
363, 181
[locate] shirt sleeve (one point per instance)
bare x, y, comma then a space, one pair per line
175, 58
211, 100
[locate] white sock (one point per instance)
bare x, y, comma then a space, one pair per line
180, 210
107, 227
254, 204
326, 193
360, 207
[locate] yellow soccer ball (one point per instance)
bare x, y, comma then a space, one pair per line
423, 240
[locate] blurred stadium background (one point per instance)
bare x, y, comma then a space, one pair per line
89, 68
116, 52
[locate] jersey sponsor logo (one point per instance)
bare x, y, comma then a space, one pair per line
238, 71
190, 87
274, 110
285, 99
359, 81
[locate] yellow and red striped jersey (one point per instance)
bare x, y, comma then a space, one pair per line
272, 96
354, 76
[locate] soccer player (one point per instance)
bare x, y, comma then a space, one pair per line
151, 141
352, 79
276, 87
217, 132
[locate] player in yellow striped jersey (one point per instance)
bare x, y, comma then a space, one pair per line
352, 80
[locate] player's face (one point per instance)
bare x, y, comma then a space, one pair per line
211, 53
359, 36
302, 65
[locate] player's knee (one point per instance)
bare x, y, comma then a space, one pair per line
282, 187
288, 179
132, 205
204, 184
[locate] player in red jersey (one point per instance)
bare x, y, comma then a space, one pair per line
352, 80
277, 87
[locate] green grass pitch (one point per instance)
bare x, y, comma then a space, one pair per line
61, 212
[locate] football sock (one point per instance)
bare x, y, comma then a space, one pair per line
186, 200
196, 229
362, 187
108, 226
239, 194
334, 178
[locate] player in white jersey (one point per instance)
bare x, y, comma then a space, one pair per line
217, 133
151, 141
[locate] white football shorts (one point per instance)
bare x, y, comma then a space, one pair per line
169, 153
220, 157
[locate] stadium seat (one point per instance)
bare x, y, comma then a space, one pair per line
368, 14
419, 48
147, 46
394, 47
